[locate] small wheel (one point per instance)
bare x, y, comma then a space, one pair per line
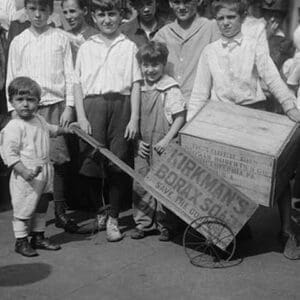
209, 243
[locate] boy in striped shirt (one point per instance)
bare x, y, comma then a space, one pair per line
44, 54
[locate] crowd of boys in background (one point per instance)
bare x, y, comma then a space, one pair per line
130, 76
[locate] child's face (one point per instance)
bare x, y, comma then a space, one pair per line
146, 10
25, 105
184, 10
73, 14
152, 72
38, 15
229, 22
108, 22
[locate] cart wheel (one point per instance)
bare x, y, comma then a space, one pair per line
202, 251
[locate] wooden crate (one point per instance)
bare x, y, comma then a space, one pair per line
256, 151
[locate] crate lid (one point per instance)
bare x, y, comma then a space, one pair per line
235, 125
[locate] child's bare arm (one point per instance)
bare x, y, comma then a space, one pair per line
81, 116
27, 174
178, 121
132, 127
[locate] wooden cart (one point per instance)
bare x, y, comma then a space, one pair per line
214, 210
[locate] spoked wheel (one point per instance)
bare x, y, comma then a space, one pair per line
210, 243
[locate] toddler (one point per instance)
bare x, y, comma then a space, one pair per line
24, 147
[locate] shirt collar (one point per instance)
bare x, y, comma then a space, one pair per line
237, 40
138, 29
197, 23
163, 84
98, 39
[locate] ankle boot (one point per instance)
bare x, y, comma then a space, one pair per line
23, 247
62, 220
38, 241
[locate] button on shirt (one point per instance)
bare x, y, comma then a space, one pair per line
185, 48
230, 71
47, 59
102, 69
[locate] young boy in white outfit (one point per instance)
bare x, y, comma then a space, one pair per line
229, 71
44, 54
24, 147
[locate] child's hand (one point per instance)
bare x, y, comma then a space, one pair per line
29, 174
131, 130
160, 147
85, 125
143, 149
67, 117
294, 115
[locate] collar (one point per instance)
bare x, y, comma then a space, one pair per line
138, 28
98, 38
163, 84
197, 23
237, 40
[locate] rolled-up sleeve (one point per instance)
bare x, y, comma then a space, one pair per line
136, 71
69, 74
174, 103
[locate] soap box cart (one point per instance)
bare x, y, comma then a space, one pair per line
214, 209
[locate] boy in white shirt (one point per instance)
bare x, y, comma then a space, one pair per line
107, 104
44, 54
229, 70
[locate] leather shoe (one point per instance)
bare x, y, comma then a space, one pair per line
137, 234
38, 241
23, 247
165, 235
63, 221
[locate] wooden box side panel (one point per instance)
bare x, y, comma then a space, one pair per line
287, 162
250, 172
191, 190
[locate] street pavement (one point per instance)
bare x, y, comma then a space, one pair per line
88, 267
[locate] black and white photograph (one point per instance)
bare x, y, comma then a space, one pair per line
150, 149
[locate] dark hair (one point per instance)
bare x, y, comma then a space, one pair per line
43, 3
236, 5
138, 3
24, 86
106, 5
153, 52
82, 4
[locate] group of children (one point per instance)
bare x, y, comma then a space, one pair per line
135, 87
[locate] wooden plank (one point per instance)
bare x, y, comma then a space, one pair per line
249, 172
191, 190
241, 127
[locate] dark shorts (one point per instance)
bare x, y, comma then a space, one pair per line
108, 115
